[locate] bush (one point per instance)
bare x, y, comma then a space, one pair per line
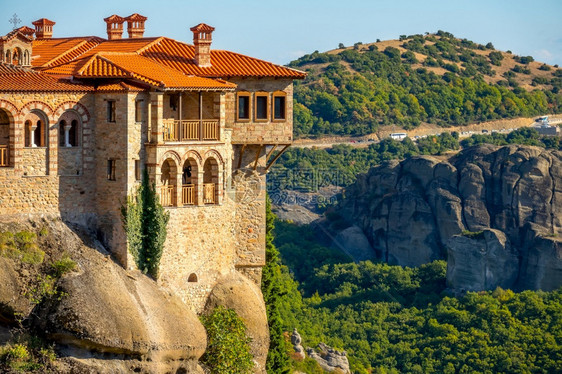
22, 246
228, 347
63, 266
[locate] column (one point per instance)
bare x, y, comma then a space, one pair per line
32, 130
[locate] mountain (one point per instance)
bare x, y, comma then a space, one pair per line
493, 212
433, 78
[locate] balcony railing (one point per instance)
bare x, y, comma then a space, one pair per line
168, 196
209, 193
4, 155
190, 130
188, 194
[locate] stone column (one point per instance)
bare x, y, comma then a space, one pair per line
67, 128
32, 130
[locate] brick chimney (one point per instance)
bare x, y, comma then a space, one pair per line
202, 39
43, 28
135, 25
114, 27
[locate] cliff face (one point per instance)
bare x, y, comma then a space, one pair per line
493, 212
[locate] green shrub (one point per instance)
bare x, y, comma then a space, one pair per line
23, 246
63, 266
45, 288
473, 234
228, 349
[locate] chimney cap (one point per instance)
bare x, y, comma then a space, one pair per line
202, 27
26, 30
43, 21
136, 17
114, 18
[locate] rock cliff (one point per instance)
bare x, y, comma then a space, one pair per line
494, 212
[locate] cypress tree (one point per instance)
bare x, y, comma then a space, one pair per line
272, 290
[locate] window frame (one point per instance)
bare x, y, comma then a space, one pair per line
137, 170
248, 97
139, 117
260, 95
111, 111
111, 166
283, 95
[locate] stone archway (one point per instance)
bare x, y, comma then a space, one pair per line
210, 181
168, 181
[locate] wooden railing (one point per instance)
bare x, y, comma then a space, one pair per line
168, 196
4, 155
188, 194
188, 130
209, 193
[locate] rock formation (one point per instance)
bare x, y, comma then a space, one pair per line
296, 341
417, 210
329, 359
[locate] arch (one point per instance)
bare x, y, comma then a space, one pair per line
17, 56
170, 154
73, 105
10, 108
26, 58
190, 181
37, 106
72, 120
36, 128
215, 154
192, 278
210, 181
194, 155
168, 181
8, 59
6, 125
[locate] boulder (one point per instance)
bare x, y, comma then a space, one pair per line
296, 341
235, 291
329, 359
12, 299
353, 241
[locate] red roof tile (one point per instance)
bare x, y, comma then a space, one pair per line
14, 78
203, 27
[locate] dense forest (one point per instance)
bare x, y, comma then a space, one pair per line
393, 319
435, 78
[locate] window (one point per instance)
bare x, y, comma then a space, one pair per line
279, 106
111, 111
62, 139
261, 107
73, 133
243, 106
137, 170
111, 170
138, 111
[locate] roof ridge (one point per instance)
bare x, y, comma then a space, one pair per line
52, 62
99, 56
155, 41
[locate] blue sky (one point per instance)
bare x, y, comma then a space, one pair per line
283, 30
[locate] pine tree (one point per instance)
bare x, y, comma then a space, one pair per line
278, 356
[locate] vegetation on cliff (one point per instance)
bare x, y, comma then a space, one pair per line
144, 222
433, 78
393, 319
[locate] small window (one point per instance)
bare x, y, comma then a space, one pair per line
137, 170
73, 133
138, 111
173, 102
62, 139
243, 106
111, 170
279, 107
111, 111
192, 278
261, 107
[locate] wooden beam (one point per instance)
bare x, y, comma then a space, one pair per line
258, 156
277, 157
270, 152
241, 155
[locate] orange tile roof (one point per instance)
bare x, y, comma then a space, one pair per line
119, 86
134, 66
14, 78
203, 27
180, 56
47, 50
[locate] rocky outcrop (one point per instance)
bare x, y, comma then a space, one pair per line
353, 241
329, 359
416, 211
296, 341
102, 318
235, 291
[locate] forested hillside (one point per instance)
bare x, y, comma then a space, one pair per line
434, 78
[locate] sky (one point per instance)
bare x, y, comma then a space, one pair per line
283, 30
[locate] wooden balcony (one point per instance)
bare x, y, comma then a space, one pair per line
168, 195
190, 130
188, 194
209, 193
4, 161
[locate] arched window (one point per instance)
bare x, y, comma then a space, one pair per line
62, 125
210, 181
192, 278
69, 129
35, 129
168, 178
189, 182
8, 59
4, 138
16, 56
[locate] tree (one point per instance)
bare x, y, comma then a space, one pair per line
341, 46
145, 221
277, 357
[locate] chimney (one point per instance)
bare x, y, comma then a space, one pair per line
202, 39
135, 25
43, 28
114, 27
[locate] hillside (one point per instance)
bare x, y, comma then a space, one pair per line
433, 78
